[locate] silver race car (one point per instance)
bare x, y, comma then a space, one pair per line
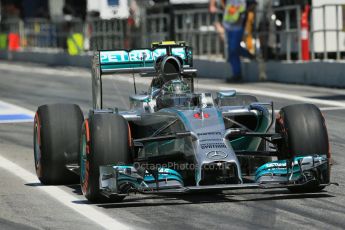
173, 140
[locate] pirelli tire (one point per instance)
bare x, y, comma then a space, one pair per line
56, 142
105, 140
304, 133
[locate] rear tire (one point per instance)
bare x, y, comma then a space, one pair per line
304, 133
104, 141
56, 142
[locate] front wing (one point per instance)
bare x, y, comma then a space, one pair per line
117, 180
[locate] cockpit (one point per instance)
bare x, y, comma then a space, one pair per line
176, 93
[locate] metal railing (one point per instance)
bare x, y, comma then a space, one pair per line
106, 34
288, 35
38, 34
197, 28
326, 36
156, 29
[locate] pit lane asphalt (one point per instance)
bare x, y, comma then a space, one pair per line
24, 206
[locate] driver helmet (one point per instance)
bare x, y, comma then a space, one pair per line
175, 87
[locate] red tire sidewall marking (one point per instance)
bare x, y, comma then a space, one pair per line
87, 133
38, 164
85, 185
130, 141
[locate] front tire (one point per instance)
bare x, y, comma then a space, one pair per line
304, 133
56, 142
104, 141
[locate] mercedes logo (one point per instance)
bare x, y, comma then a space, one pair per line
216, 155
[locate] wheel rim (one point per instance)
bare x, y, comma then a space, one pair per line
37, 147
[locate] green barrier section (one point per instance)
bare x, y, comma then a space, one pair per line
3, 41
75, 44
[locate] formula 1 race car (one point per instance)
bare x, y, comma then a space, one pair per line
173, 140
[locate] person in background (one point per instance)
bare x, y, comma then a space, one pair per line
217, 18
249, 26
234, 18
267, 29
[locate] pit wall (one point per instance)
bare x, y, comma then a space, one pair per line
321, 73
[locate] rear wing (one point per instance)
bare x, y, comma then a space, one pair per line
139, 60
134, 61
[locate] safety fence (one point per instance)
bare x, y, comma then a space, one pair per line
278, 33
328, 32
105, 34
198, 28
39, 34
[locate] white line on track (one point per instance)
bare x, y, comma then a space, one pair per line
63, 197
57, 193
10, 113
15, 108
322, 109
332, 108
273, 94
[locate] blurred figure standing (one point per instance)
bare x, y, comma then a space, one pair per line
249, 26
266, 34
233, 21
267, 29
